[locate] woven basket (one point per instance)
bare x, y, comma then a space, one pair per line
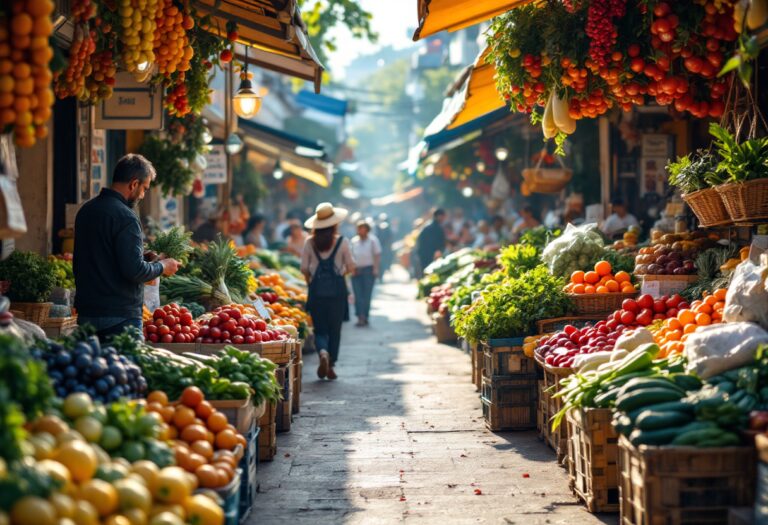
547, 180
33, 312
708, 207
598, 303
747, 201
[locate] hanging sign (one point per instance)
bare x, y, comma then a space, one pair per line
133, 105
216, 170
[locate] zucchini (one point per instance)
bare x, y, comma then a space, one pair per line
641, 383
606, 399
687, 382
622, 380
697, 435
653, 437
646, 398
729, 387
677, 406
653, 419
622, 424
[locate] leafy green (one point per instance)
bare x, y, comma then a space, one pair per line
32, 277
539, 236
516, 259
739, 161
175, 243
693, 172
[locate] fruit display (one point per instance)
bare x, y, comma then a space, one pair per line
171, 43
578, 248
80, 364
672, 254
205, 445
231, 326
71, 81
171, 324
63, 273
136, 32
673, 333
438, 296
600, 280
26, 98
277, 284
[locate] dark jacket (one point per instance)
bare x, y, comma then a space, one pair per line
430, 240
109, 265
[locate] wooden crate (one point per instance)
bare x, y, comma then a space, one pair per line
268, 434
239, 412
285, 406
683, 485
477, 365
279, 352
502, 357
298, 370
509, 403
541, 410
593, 457
557, 440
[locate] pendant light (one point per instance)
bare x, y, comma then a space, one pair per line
246, 101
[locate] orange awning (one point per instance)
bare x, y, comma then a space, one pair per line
452, 15
472, 95
277, 36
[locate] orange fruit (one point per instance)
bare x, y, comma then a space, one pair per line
689, 328
203, 448
602, 289
577, 277
589, 289
79, 457
193, 433
720, 294
241, 440
158, 396
578, 288
204, 410
686, 316
711, 300
31, 510
192, 396
226, 468
628, 288
208, 476
674, 324
703, 308
39, 8
622, 277
21, 25
613, 286
217, 422
603, 267
173, 432
225, 456
155, 407
101, 494
591, 277
674, 335
703, 319
167, 413
226, 439
183, 416
195, 461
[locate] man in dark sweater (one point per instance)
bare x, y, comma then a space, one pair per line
431, 240
109, 266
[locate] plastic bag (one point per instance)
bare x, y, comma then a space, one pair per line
152, 295
715, 349
747, 298
577, 249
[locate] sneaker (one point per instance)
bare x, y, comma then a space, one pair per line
322, 369
331, 373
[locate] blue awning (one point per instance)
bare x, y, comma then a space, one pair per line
301, 146
324, 103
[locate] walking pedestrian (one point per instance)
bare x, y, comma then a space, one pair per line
325, 260
431, 241
366, 251
385, 235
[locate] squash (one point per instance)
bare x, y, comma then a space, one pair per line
548, 123
757, 14
563, 119
739, 12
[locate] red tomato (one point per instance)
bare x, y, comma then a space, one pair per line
225, 334
163, 330
659, 306
152, 338
176, 328
674, 301
186, 329
238, 339
234, 313
214, 321
627, 317
645, 317
186, 319
150, 328
224, 316
645, 301
167, 338
230, 325
672, 312
215, 332
260, 325
249, 340
239, 330
243, 322
179, 338
257, 337
159, 314
630, 305
659, 316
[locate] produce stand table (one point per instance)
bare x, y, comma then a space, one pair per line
240, 412
249, 485
58, 326
593, 456
230, 496
658, 285
683, 485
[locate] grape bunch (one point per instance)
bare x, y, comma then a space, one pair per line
601, 29
176, 101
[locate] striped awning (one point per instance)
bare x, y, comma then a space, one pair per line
452, 15
276, 35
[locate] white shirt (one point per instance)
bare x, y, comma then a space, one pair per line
614, 223
364, 251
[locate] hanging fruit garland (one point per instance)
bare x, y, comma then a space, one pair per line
25, 75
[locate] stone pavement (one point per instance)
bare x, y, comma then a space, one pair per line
400, 438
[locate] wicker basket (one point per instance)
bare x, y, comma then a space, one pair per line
598, 303
708, 207
547, 180
56, 326
747, 201
33, 312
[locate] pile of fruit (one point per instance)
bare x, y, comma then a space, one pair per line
673, 254
600, 280
62, 266
171, 324
438, 296
205, 445
672, 334
231, 326
277, 284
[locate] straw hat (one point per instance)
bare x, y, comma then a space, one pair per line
326, 216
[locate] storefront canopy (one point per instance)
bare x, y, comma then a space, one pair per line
472, 96
296, 155
452, 15
274, 32
323, 103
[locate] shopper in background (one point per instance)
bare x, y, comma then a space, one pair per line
431, 241
366, 251
499, 227
485, 236
254, 232
527, 221
109, 260
325, 260
619, 221
466, 235
209, 230
294, 244
384, 234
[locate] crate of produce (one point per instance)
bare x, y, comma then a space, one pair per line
541, 410
279, 352
249, 464
284, 406
58, 326
510, 404
502, 357
598, 303
268, 434
298, 370
240, 412
443, 330
230, 499
658, 285
550, 326
761, 496
593, 457
683, 485
556, 439
33, 312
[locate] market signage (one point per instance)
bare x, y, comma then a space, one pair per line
216, 171
133, 105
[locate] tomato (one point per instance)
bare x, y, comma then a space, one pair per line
630, 305
645, 317
249, 340
192, 396
239, 331
225, 334
179, 338
234, 313
215, 333
257, 338
186, 319
672, 312
224, 316
260, 325
674, 301
159, 314
659, 306
150, 328
645, 301
243, 322
185, 329
627, 317
176, 328
153, 338
683, 305
238, 339
230, 325
214, 321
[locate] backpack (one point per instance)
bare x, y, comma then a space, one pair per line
326, 283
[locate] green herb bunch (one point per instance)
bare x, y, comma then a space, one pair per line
32, 277
740, 161
693, 172
175, 243
516, 259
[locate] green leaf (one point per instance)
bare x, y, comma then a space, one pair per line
734, 62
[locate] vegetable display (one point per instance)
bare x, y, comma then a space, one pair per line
31, 277
62, 269
171, 324
578, 248
600, 280
231, 326
176, 243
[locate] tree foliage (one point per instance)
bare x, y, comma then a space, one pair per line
322, 16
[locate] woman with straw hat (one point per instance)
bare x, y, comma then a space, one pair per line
325, 260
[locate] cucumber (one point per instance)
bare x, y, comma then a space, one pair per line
694, 437
622, 380
747, 403
646, 398
686, 382
676, 406
653, 437
642, 383
622, 424
654, 419
606, 399
729, 387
